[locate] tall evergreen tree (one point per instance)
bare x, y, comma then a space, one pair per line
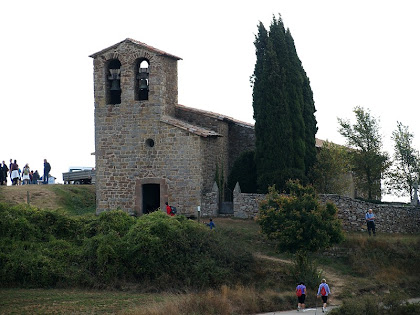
284, 111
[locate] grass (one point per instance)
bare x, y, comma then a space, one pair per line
60, 301
360, 268
74, 199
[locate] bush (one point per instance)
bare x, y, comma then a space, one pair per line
299, 221
49, 248
305, 270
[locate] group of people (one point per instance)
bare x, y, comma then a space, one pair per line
324, 289
23, 176
323, 292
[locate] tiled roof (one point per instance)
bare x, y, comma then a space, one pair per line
216, 116
136, 42
202, 132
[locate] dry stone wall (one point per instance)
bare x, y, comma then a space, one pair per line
389, 218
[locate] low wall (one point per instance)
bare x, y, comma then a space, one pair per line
389, 218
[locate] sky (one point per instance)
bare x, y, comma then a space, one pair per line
355, 53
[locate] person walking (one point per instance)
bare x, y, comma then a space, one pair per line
323, 292
211, 224
47, 169
370, 220
301, 294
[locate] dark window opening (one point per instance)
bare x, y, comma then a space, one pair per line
114, 86
142, 80
150, 143
151, 197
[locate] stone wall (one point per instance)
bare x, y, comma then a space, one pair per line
389, 218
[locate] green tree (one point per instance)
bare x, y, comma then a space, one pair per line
404, 173
244, 172
299, 222
369, 162
331, 172
284, 110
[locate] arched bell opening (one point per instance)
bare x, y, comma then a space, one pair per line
141, 86
114, 82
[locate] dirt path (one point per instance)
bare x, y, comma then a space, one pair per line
337, 282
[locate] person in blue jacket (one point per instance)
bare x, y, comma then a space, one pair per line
301, 298
211, 224
323, 292
370, 220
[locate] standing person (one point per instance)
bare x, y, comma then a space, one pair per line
14, 173
26, 178
3, 173
169, 210
323, 291
10, 169
35, 177
301, 294
47, 169
370, 220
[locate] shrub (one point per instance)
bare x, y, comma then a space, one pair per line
299, 221
49, 248
306, 270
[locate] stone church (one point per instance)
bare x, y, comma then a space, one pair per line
149, 149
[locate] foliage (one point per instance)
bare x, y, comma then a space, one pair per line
299, 221
331, 172
285, 124
76, 199
244, 172
368, 160
404, 175
306, 270
41, 248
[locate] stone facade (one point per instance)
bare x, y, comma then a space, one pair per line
389, 218
151, 150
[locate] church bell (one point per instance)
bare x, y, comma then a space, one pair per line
115, 79
143, 84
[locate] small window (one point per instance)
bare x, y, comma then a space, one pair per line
114, 86
150, 143
142, 80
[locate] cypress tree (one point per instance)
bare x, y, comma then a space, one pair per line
285, 124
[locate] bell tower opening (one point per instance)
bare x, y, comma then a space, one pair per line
151, 197
113, 82
142, 80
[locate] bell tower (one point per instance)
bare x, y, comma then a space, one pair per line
135, 86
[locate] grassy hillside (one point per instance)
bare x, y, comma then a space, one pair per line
370, 271
75, 199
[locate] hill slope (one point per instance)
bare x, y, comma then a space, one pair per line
76, 199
